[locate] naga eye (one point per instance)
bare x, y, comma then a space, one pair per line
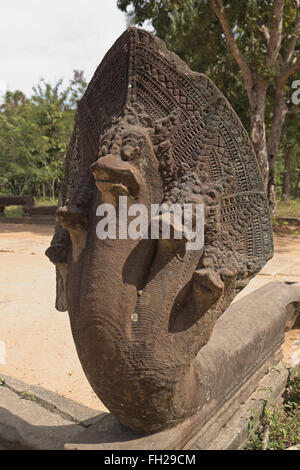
114, 148
104, 150
127, 152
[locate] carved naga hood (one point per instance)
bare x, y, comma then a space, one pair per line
140, 310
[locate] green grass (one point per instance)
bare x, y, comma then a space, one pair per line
281, 425
289, 208
39, 201
16, 211
28, 396
13, 211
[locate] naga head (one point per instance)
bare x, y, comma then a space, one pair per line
150, 131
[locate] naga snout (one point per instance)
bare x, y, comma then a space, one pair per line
116, 176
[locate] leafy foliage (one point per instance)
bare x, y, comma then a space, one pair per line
288, 162
34, 136
191, 29
282, 425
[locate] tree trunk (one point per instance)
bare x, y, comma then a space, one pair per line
12, 186
257, 125
286, 177
53, 190
297, 185
280, 111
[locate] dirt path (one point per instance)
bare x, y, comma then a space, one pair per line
36, 345
38, 341
284, 266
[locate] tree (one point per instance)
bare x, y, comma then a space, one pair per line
21, 143
55, 119
76, 88
276, 59
34, 136
260, 36
288, 163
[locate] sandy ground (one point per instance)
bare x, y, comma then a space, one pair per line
38, 340
36, 344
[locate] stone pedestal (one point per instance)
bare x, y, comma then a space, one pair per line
242, 358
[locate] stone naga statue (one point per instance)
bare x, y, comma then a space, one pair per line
150, 129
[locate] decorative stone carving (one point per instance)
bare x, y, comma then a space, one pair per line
151, 129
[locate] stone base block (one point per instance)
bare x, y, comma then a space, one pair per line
34, 418
235, 366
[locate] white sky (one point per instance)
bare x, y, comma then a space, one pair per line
48, 39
